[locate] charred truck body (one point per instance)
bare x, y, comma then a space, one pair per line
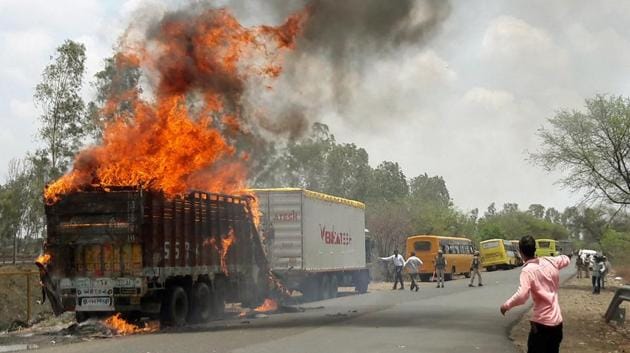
315, 242
137, 252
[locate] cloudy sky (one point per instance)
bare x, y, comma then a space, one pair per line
465, 105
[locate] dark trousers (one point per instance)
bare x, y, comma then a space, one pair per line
412, 276
596, 284
398, 277
543, 338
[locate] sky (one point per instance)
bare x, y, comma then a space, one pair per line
465, 104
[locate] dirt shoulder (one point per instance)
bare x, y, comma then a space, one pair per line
584, 326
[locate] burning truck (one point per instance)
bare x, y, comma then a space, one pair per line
135, 251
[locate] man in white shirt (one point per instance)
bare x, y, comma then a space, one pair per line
412, 264
399, 262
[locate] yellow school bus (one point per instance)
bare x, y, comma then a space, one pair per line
458, 252
519, 259
497, 253
546, 247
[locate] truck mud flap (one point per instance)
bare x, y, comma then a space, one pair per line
49, 290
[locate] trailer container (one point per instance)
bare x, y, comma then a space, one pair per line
315, 242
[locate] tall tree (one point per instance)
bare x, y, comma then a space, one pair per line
62, 109
592, 146
388, 182
536, 210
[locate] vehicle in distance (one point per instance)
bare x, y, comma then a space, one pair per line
458, 252
498, 254
137, 252
546, 247
315, 242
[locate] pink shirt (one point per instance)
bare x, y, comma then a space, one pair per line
541, 278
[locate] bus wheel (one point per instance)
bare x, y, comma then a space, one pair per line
450, 276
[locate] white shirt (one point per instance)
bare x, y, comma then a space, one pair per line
413, 263
399, 260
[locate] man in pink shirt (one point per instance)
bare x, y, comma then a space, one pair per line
540, 277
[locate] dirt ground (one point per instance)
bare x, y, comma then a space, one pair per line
584, 326
13, 296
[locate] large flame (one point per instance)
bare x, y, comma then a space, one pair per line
226, 242
43, 259
121, 327
182, 138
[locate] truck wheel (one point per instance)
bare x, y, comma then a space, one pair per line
175, 306
324, 288
81, 316
201, 303
218, 300
334, 288
362, 281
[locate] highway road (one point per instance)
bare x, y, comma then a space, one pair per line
454, 319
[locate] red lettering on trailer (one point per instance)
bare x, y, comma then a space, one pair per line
332, 237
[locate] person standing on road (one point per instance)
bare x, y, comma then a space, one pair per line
579, 266
440, 266
399, 262
596, 273
606, 269
540, 277
474, 270
412, 264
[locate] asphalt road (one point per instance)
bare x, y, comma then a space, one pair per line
454, 319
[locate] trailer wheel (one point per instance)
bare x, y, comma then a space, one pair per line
324, 289
201, 306
175, 306
362, 281
334, 287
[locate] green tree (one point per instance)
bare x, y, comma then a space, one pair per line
62, 109
388, 183
592, 147
536, 210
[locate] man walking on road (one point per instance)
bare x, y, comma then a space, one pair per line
440, 266
412, 264
474, 270
540, 277
399, 262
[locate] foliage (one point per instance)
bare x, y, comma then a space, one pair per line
591, 147
58, 97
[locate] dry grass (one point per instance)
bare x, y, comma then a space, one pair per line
13, 295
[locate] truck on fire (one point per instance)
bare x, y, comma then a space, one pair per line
315, 242
139, 252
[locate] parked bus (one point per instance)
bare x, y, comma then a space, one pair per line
519, 259
458, 253
498, 253
546, 247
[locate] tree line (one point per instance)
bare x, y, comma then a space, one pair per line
591, 146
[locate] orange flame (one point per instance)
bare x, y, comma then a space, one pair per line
226, 243
123, 328
43, 259
174, 141
268, 306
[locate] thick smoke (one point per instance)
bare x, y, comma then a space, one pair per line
341, 41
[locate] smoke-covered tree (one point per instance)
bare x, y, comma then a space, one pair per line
592, 147
118, 81
62, 109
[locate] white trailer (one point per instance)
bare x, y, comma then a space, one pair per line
315, 242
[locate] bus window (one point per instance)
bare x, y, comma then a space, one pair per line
422, 246
544, 244
490, 244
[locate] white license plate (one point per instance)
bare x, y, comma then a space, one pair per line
95, 304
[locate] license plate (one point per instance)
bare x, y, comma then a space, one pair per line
95, 304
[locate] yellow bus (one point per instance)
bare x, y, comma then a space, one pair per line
519, 259
458, 252
498, 253
546, 247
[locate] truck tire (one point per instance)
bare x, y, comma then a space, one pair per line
175, 307
324, 288
81, 316
362, 280
218, 299
334, 287
201, 303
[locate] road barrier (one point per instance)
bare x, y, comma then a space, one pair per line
27, 275
622, 294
